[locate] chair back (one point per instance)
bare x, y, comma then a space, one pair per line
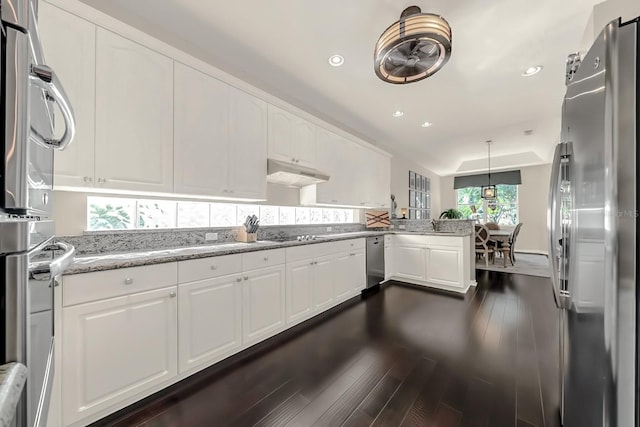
492, 226
514, 235
482, 235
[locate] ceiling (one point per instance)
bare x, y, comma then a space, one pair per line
283, 46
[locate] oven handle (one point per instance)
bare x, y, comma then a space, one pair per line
43, 77
45, 270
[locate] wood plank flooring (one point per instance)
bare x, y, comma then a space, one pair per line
401, 357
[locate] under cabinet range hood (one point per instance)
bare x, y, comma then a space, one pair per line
293, 175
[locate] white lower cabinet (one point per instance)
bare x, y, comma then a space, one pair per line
117, 348
444, 266
410, 261
438, 261
300, 290
323, 283
263, 303
209, 321
350, 274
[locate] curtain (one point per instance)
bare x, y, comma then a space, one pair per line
508, 177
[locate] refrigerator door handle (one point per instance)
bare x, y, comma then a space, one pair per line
551, 224
45, 270
44, 77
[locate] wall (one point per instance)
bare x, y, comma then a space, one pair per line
71, 207
400, 168
532, 205
605, 12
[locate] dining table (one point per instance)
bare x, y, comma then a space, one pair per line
503, 237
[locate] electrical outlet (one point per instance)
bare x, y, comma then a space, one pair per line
391, 227
210, 236
329, 228
402, 227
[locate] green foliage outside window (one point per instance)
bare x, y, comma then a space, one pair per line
503, 211
108, 217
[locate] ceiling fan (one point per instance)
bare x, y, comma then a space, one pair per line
412, 48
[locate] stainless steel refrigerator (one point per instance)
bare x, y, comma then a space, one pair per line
593, 238
30, 95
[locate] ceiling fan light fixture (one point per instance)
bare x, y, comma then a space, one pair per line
412, 48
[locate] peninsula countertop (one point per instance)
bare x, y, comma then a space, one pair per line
12, 379
110, 261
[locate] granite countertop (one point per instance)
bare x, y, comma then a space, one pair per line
12, 379
101, 262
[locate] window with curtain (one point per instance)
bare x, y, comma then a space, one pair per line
503, 211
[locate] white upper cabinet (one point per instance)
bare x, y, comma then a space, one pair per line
201, 133
134, 116
291, 138
69, 48
248, 146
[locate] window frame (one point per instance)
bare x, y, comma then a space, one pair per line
483, 217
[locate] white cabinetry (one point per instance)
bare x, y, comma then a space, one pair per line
248, 146
219, 138
263, 303
69, 45
116, 348
411, 262
291, 138
310, 287
134, 116
323, 283
439, 261
350, 274
201, 133
210, 320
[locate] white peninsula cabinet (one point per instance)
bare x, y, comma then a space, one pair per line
438, 261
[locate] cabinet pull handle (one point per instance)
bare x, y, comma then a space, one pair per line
87, 179
101, 180
246, 277
311, 263
128, 281
213, 267
172, 294
239, 279
266, 258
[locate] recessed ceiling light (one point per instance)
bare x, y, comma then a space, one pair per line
336, 60
532, 70
426, 124
398, 113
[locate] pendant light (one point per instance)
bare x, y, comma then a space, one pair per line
489, 191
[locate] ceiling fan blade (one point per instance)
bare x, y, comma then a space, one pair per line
429, 49
401, 71
404, 49
396, 58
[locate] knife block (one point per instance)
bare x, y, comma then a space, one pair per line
245, 237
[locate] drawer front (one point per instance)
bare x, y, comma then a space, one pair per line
80, 288
315, 250
208, 268
388, 238
261, 259
348, 245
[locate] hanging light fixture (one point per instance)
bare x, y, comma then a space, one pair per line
489, 191
412, 48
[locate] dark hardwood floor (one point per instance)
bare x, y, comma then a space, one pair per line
401, 357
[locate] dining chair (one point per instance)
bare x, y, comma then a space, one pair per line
492, 226
482, 243
512, 242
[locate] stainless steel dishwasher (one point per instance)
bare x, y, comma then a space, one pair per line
375, 261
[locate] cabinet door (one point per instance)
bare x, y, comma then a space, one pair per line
332, 160
389, 261
358, 271
323, 283
69, 45
343, 285
444, 266
201, 133
300, 276
410, 262
248, 146
210, 321
280, 134
263, 303
115, 349
304, 143
134, 116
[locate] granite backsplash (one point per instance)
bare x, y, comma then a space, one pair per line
426, 225
116, 241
